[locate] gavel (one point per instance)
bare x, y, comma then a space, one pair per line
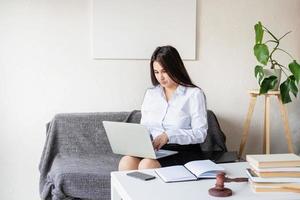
219, 190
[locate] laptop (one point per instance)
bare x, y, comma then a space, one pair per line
132, 140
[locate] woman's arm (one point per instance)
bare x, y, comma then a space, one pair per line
147, 111
198, 131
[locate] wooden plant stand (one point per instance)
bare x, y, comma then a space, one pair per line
266, 136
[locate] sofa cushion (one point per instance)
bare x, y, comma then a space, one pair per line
70, 138
80, 177
215, 139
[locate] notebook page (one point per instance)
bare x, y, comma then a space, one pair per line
175, 173
204, 168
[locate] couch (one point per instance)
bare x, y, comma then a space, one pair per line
77, 159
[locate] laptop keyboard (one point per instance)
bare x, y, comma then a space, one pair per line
157, 153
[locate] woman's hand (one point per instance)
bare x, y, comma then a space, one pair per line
160, 141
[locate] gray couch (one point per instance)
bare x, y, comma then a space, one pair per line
77, 160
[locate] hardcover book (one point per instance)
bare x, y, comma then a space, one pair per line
274, 160
254, 178
275, 187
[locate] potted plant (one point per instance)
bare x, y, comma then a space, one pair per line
267, 60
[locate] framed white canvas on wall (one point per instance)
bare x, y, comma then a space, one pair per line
132, 29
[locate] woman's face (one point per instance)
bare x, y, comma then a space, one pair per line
162, 76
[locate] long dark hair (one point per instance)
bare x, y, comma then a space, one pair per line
169, 58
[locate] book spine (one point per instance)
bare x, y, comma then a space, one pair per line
277, 174
276, 164
279, 189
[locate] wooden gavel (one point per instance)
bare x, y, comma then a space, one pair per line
219, 190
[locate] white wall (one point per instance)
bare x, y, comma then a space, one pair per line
46, 68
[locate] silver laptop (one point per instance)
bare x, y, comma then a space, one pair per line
132, 140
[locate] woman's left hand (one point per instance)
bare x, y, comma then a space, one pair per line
160, 141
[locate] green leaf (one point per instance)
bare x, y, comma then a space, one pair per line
259, 73
289, 85
293, 86
295, 69
268, 84
285, 92
259, 32
261, 53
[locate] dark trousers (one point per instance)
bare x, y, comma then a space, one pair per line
186, 153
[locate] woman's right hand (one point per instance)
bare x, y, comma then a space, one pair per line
160, 141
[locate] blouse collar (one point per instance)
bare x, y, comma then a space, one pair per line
180, 90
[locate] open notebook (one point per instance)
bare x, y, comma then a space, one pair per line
190, 171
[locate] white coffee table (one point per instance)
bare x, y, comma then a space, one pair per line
127, 188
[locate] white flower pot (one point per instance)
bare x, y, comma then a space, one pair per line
274, 72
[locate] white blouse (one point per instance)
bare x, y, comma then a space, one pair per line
183, 118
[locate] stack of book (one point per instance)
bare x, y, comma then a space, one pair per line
274, 172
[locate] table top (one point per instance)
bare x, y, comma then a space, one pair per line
271, 92
157, 189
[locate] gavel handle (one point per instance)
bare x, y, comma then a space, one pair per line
241, 179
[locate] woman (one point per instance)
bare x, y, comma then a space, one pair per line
174, 111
